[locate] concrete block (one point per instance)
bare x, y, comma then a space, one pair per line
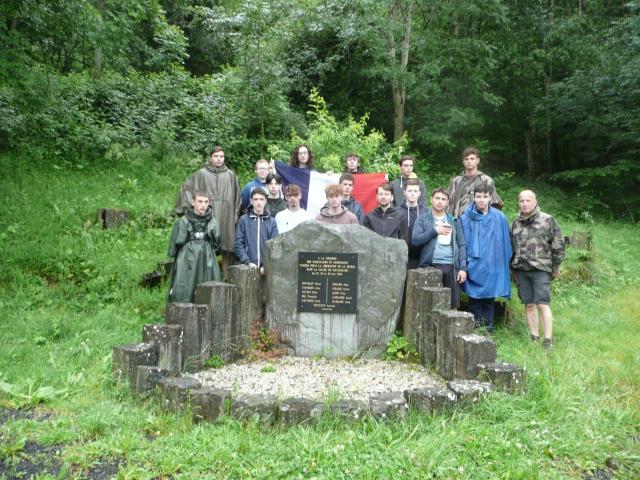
471, 350
507, 377
417, 279
208, 404
196, 332
260, 407
125, 359
293, 411
470, 391
430, 399
430, 300
449, 324
390, 405
174, 392
147, 378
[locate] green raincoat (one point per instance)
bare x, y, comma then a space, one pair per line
193, 245
224, 196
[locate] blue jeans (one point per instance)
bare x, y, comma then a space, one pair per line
482, 309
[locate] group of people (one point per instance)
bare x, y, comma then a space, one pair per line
463, 233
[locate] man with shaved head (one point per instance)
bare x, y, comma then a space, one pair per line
538, 251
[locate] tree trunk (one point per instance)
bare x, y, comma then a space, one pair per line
97, 66
532, 164
400, 13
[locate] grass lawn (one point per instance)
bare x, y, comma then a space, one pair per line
69, 292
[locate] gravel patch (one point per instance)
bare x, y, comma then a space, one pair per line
319, 379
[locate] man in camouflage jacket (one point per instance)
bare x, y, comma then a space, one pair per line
538, 250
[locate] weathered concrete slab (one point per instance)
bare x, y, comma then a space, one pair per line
391, 405
380, 286
247, 407
507, 377
471, 350
349, 409
449, 324
247, 281
168, 341
174, 392
417, 279
429, 300
292, 411
125, 359
470, 391
196, 328
147, 377
430, 399
222, 300
208, 404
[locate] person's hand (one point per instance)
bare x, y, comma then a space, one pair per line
555, 275
261, 270
253, 265
272, 166
443, 229
462, 277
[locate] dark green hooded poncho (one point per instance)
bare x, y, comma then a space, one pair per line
194, 242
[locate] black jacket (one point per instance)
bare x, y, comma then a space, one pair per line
392, 223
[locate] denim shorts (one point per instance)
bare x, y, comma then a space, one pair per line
534, 286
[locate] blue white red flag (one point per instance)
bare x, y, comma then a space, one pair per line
312, 185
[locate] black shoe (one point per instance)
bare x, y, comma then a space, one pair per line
534, 338
547, 344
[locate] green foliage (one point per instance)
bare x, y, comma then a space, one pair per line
29, 393
605, 190
264, 342
331, 140
269, 368
399, 348
215, 362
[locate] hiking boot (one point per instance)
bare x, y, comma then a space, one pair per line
534, 338
547, 344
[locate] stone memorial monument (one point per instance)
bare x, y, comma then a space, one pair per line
334, 290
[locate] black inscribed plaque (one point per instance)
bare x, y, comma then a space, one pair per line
327, 282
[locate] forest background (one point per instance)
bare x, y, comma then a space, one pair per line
547, 89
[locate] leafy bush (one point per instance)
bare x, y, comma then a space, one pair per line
331, 140
264, 342
400, 348
78, 117
609, 189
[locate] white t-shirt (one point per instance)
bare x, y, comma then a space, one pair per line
289, 219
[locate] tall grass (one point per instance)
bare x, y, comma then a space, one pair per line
69, 292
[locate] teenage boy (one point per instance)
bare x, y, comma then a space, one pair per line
194, 240
461, 188
387, 220
440, 238
275, 202
223, 188
262, 170
486, 233
294, 214
352, 164
254, 229
335, 212
406, 169
538, 251
346, 182
412, 208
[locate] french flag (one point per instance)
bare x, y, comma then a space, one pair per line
313, 183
